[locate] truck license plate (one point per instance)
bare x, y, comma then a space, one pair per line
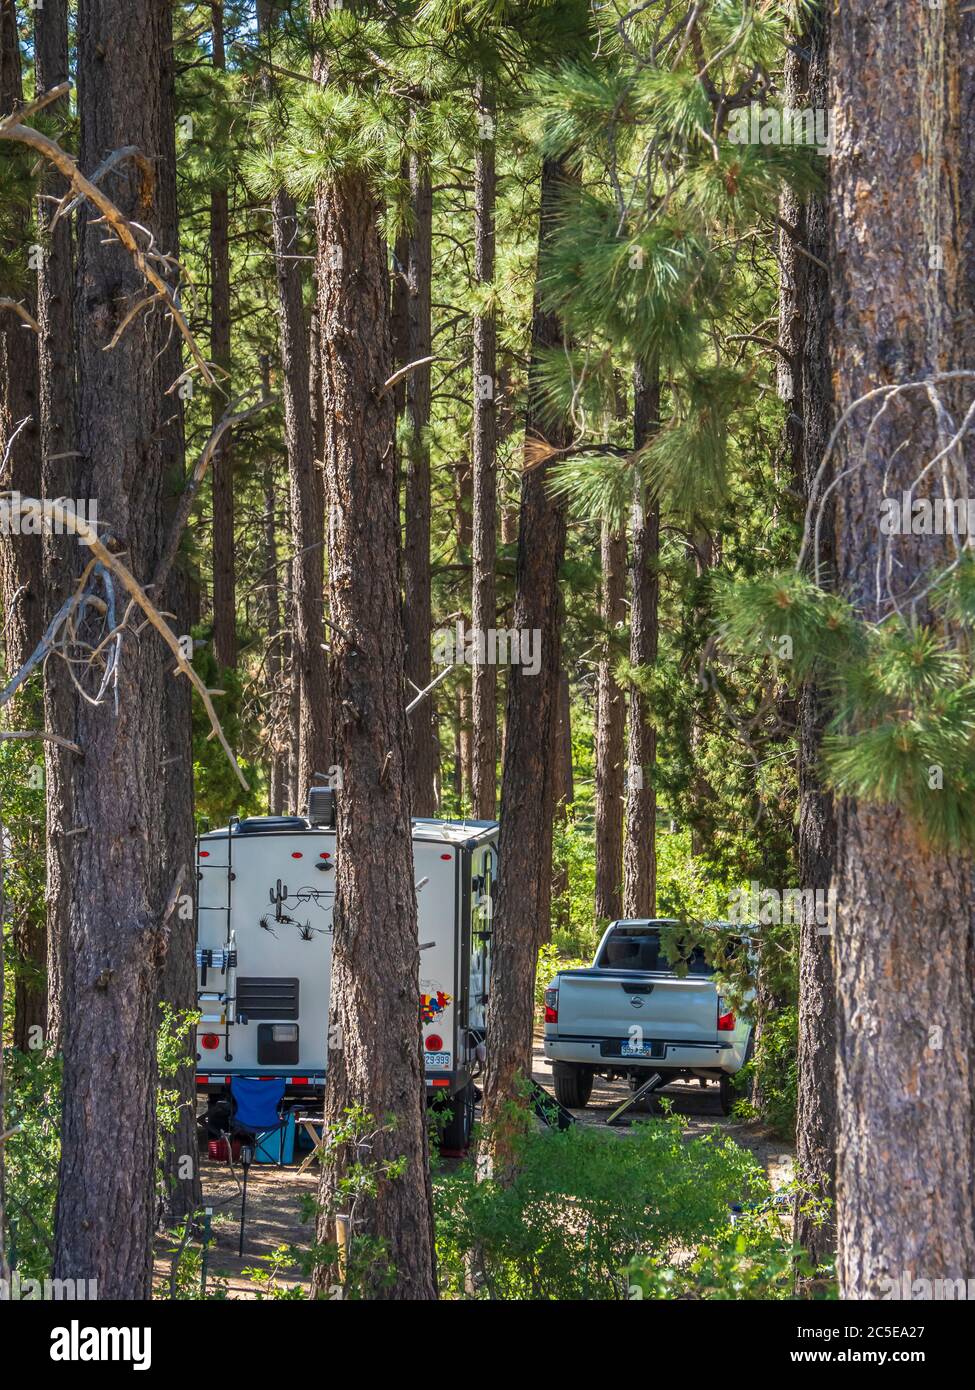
438, 1061
630, 1049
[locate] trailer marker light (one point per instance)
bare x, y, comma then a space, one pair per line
434, 1043
204, 854
209, 1041
445, 856
296, 854
298, 1080
325, 855
438, 1082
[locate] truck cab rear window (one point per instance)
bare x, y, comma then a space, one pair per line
639, 948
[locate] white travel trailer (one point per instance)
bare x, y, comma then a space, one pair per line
264, 943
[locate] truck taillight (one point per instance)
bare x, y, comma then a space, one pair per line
726, 1018
551, 1006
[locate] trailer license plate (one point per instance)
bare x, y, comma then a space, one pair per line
438, 1061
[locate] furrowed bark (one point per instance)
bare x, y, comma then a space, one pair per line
224, 574
181, 1190
375, 957
901, 207
307, 499
59, 478
527, 790
805, 332
484, 507
640, 849
21, 582
610, 732
118, 925
277, 775
417, 610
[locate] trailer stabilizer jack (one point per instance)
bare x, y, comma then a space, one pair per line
548, 1109
654, 1082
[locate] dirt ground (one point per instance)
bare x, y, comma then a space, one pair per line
275, 1195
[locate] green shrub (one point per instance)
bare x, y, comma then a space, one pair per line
586, 1205
31, 1155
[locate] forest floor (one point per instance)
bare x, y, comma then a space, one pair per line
276, 1197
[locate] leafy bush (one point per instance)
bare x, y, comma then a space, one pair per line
586, 1205
775, 1067
31, 1154
550, 962
750, 1259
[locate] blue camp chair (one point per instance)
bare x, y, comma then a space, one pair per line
255, 1109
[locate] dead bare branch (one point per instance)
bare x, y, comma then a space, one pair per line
14, 306
62, 515
44, 734
123, 228
401, 373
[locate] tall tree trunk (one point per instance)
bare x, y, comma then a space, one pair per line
527, 788
21, 581
640, 846
416, 547
120, 883
805, 333
307, 501
182, 1193
564, 786
466, 739
484, 508
59, 475
610, 731
277, 775
905, 1025
4, 1262
375, 951
222, 468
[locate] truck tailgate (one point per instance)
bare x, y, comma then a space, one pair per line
600, 1003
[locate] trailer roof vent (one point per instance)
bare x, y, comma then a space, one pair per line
255, 825
321, 807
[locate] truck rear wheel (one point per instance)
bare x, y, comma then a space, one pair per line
573, 1085
726, 1095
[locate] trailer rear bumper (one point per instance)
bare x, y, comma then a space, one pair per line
313, 1084
446, 1083
301, 1085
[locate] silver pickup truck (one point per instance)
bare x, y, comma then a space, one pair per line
630, 1014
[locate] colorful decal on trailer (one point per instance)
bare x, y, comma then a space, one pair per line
433, 1005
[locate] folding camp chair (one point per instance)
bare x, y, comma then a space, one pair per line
255, 1109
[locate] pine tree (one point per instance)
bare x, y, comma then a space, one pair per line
21, 586
377, 1068
59, 469
314, 739
118, 888
904, 1163
610, 730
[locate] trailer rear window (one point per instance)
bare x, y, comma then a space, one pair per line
639, 948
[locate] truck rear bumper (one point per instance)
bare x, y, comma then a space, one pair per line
670, 1055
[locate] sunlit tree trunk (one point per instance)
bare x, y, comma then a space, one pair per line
902, 292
